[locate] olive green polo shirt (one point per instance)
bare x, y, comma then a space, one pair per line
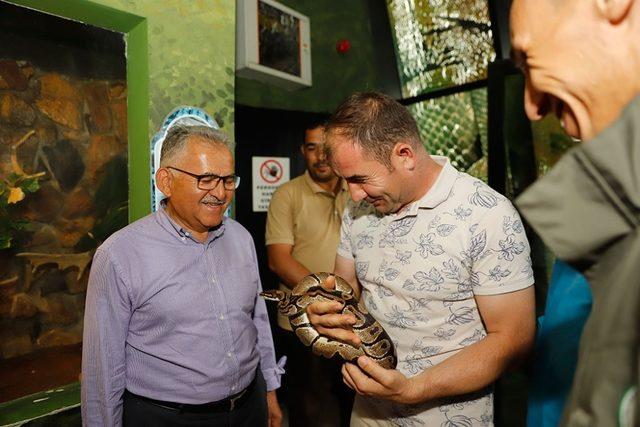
306, 216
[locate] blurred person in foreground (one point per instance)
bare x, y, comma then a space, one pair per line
580, 59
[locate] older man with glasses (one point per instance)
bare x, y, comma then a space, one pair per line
175, 333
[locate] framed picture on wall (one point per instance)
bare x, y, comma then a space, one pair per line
273, 44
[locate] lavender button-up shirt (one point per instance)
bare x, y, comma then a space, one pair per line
174, 319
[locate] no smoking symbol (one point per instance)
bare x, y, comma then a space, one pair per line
271, 171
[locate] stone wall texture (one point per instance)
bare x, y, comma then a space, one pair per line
80, 142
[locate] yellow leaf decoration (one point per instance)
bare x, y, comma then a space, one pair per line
15, 195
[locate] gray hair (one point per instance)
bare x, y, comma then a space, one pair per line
177, 137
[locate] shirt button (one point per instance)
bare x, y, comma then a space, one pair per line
222, 317
213, 280
229, 354
233, 388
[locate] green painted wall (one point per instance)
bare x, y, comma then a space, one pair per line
369, 65
191, 59
191, 55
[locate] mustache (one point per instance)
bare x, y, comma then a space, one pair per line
213, 200
319, 164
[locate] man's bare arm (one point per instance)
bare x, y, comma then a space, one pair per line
346, 268
510, 324
282, 263
275, 413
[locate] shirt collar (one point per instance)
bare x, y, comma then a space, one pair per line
317, 189
180, 232
439, 191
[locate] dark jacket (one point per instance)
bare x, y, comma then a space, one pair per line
587, 210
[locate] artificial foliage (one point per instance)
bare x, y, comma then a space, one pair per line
13, 190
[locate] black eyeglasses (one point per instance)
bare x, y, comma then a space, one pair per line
209, 181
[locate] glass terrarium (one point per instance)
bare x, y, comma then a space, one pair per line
63, 186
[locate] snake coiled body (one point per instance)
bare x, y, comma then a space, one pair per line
376, 343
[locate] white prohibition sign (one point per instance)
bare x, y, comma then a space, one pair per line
271, 171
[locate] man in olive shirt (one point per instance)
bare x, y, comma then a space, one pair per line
303, 229
581, 61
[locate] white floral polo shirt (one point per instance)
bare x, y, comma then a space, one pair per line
420, 269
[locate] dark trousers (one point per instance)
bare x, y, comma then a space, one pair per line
252, 413
313, 390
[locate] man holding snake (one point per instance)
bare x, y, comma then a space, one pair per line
441, 261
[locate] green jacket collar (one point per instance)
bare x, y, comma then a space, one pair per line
591, 198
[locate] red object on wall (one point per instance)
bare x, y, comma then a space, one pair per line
343, 46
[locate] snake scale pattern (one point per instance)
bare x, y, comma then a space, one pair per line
376, 343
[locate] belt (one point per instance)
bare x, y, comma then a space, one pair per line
225, 405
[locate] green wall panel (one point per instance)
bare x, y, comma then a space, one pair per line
369, 65
191, 55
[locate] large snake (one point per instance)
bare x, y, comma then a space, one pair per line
375, 341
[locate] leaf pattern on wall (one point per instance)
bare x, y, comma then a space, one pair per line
177, 76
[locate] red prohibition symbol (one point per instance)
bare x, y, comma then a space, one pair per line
271, 171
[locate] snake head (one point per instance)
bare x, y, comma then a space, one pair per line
273, 295
285, 306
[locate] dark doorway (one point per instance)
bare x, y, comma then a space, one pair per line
266, 132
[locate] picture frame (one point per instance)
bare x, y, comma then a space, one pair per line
273, 44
